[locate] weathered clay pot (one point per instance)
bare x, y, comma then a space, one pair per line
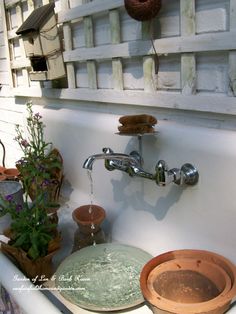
2, 169
85, 218
2, 175
189, 282
11, 173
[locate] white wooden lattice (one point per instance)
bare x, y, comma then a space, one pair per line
188, 51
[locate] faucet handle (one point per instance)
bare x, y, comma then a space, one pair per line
108, 163
107, 150
138, 158
165, 176
122, 162
161, 171
188, 174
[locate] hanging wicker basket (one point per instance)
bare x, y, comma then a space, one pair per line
142, 10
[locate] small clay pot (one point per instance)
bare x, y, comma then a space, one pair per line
89, 220
189, 282
11, 173
2, 169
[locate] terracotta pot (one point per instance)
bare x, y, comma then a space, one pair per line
189, 282
85, 218
11, 173
42, 267
2, 169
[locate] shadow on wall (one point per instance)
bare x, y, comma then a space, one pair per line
131, 192
136, 199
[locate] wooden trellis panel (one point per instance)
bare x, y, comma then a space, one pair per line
148, 61
19, 15
188, 60
117, 71
16, 64
183, 49
68, 47
6, 44
232, 54
89, 43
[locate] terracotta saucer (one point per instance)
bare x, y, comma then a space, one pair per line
189, 282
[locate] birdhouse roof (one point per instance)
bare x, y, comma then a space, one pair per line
36, 19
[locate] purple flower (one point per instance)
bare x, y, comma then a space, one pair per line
9, 197
21, 163
37, 115
18, 208
45, 182
24, 143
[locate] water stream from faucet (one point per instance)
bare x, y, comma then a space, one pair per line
89, 172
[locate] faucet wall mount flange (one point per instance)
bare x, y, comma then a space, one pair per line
190, 174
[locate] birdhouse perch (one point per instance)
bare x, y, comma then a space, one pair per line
42, 44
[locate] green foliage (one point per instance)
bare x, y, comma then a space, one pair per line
31, 229
40, 167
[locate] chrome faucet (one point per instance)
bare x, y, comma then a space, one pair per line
132, 164
114, 160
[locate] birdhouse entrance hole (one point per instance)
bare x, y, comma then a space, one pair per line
39, 63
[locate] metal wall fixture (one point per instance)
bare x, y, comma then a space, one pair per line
133, 165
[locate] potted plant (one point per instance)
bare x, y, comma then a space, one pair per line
33, 238
41, 166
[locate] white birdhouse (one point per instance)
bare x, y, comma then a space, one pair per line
42, 44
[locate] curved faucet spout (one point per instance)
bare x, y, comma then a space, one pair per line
108, 155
